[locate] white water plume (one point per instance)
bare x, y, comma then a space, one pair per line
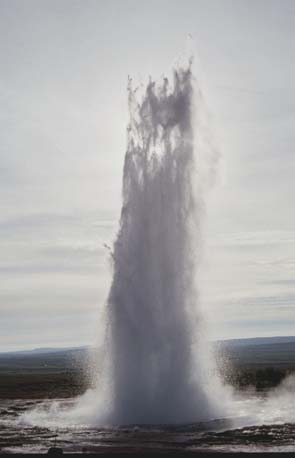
157, 368
275, 406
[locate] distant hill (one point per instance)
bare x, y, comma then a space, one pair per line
260, 352
253, 352
246, 342
42, 350
44, 360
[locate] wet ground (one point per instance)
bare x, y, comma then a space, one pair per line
217, 435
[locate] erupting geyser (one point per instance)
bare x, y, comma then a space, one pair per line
158, 370
156, 367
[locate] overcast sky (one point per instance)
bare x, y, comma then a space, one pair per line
63, 117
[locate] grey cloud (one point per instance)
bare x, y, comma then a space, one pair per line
62, 125
262, 304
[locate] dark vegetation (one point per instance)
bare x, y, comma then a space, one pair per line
45, 374
261, 379
260, 363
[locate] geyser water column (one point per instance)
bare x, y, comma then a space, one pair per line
155, 366
158, 370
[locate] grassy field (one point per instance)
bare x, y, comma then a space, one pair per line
64, 373
262, 363
46, 374
37, 386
